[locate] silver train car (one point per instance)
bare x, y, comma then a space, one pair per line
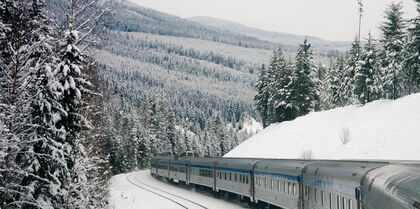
301, 184
392, 186
278, 182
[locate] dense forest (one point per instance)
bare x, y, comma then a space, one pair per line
373, 69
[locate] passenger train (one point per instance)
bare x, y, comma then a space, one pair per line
301, 184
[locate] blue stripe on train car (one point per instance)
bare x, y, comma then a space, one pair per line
201, 166
277, 175
335, 187
234, 170
178, 164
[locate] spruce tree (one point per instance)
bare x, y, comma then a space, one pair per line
349, 73
366, 87
279, 89
393, 30
261, 98
412, 52
302, 87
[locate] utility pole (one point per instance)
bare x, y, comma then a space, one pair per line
360, 15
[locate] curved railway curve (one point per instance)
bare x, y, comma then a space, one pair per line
176, 199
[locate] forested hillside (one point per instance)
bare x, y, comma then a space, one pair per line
175, 85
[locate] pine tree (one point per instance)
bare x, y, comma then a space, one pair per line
334, 81
349, 73
366, 87
303, 92
393, 30
29, 109
261, 98
279, 89
412, 52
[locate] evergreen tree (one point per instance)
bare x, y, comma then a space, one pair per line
31, 161
366, 87
280, 73
302, 87
412, 52
349, 73
261, 98
393, 30
333, 96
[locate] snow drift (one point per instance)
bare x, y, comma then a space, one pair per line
378, 130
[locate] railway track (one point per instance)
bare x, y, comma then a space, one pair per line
176, 199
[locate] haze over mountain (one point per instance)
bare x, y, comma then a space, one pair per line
275, 37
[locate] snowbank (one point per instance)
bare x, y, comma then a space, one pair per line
379, 130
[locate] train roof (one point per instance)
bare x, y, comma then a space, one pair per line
343, 177
202, 161
290, 167
238, 163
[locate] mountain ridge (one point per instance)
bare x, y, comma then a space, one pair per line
266, 35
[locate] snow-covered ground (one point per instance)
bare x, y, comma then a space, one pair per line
126, 193
379, 130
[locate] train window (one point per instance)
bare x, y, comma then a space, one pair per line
294, 189
315, 193
240, 178
285, 187
236, 177
309, 193
350, 204
289, 188
246, 180
225, 175
322, 198
278, 185
265, 182
230, 176
343, 202
338, 202
331, 201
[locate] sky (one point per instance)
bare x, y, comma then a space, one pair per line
335, 20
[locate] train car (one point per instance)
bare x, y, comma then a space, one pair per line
235, 176
392, 186
334, 184
201, 171
278, 182
153, 166
163, 166
178, 170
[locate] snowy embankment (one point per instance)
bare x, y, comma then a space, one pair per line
126, 192
379, 130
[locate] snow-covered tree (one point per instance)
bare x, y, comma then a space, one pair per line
393, 31
333, 96
261, 98
302, 87
366, 78
412, 53
349, 73
32, 163
280, 73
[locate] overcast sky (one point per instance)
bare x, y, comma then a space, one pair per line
335, 20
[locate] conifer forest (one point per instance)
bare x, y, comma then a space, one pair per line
91, 88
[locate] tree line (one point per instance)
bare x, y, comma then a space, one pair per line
372, 70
